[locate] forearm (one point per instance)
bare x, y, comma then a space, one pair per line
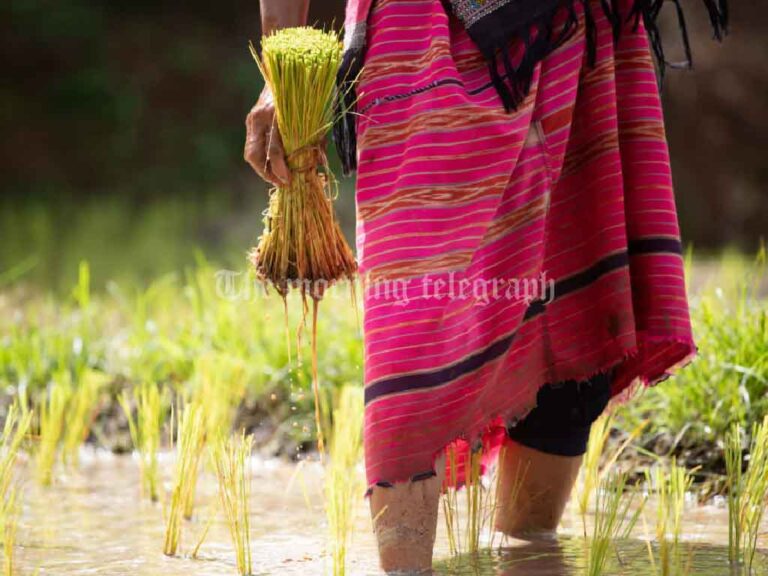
276, 14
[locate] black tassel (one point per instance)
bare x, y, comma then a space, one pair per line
498, 83
344, 124
684, 34
650, 10
612, 13
718, 16
590, 33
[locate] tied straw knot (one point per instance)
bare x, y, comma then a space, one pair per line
307, 157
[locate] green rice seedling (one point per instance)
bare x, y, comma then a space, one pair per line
747, 492
231, 459
670, 487
9, 522
733, 468
473, 491
204, 533
190, 443
343, 484
590, 468
151, 403
480, 503
82, 410
53, 413
612, 520
450, 503
219, 384
591, 472
18, 421
755, 490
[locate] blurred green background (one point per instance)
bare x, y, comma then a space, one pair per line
122, 132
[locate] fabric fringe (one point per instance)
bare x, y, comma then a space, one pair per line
344, 126
533, 23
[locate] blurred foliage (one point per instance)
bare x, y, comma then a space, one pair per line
123, 128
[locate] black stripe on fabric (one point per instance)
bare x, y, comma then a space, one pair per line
419, 90
438, 377
652, 245
563, 287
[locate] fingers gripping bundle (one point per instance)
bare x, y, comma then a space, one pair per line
302, 244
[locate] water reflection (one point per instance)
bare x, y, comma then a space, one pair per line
93, 522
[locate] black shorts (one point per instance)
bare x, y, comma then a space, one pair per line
563, 416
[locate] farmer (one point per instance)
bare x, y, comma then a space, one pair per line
513, 179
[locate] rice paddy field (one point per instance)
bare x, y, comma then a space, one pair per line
169, 428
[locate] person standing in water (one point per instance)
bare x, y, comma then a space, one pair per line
498, 143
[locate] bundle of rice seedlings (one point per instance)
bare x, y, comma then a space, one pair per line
343, 484
53, 413
302, 245
84, 404
145, 428
747, 492
190, 444
231, 458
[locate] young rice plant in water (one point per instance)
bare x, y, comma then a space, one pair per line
53, 413
612, 520
190, 443
747, 492
343, 484
145, 428
231, 459
82, 410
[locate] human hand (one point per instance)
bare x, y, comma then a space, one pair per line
263, 145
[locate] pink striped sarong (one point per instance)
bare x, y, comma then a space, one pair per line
495, 262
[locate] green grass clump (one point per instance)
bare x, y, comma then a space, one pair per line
146, 427
343, 484
190, 445
231, 458
747, 492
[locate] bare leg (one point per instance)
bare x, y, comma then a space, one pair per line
405, 522
533, 489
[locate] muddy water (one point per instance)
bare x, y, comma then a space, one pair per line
92, 521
